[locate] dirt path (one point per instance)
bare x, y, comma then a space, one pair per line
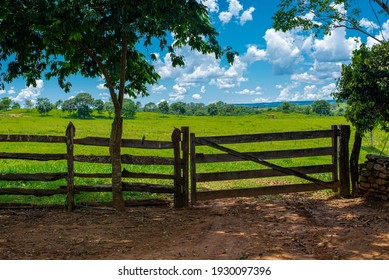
301, 226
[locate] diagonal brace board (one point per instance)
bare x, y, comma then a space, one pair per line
284, 170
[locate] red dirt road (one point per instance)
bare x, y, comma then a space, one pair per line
299, 226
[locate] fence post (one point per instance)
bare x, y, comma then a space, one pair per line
185, 164
344, 163
335, 134
193, 194
70, 133
178, 189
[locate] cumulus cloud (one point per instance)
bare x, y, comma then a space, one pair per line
101, 87
247, 15
253, 54
234, 10
212, 5
381, 35
30, 92
282, 51
368, 25
197, 96
158, 88
256, 91
335, 46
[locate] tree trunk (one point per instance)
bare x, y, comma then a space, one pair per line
354, 158
115, 152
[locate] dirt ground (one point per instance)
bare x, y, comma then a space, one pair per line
298, 226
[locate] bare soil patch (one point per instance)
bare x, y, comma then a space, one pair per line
298, 226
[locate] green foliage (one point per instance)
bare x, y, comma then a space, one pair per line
363, 85
321, 16
163, 107
321, 107
44, 106
150, 107
129, 109
178, 108
82, 104
5, 103
286, 107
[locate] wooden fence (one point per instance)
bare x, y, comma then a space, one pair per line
179, 161
184, 147
338, 152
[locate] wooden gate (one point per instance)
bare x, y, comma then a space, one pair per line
338, 165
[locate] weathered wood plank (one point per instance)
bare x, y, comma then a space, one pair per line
250, 192
70, 133
263, 137
264, 173
344, 164
127, 143
126, 186
35, 192
208, 158
30, 156
128, 203
32, 138
128, 174
127, 159
33, 177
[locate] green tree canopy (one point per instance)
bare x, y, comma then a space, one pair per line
129, 109
44, 106
321, 107
5, 103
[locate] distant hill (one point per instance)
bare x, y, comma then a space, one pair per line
276, 104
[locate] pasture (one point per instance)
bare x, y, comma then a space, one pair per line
155, 126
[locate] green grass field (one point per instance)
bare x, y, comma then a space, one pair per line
156, 126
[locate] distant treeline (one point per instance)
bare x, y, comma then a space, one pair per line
83, 105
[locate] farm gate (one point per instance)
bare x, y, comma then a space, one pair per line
337, 151
177, 163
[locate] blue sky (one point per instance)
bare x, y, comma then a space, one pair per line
271, 66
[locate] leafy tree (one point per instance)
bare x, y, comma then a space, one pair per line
363, 85
285, 107
102, 38
323, 16
178, 108
109, 108
99, 106
321, 107
212, 109
138, 106
150, 107
69, 106
28, 104
58, 104
15, 105
163, 107
129, 109
44, 106
5, 103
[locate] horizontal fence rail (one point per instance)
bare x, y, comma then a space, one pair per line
179, 162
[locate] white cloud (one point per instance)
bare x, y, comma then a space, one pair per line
196, 96
253, 54
282, 51
158, 88
2, 91
202, 90
246, 91
30, 92
305, 78
335, 46
368, 25
101, 87
234, 9
212, 5
247, 16
382, 35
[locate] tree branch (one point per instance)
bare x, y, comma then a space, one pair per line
96, 59
385, 7
123, 70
